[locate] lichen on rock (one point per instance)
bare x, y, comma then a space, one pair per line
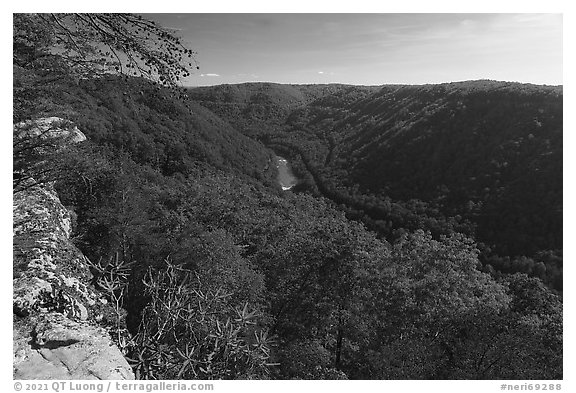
50, 127
44, 258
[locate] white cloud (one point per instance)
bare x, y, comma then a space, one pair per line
209, 75
320, 72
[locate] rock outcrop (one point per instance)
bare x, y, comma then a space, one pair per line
56, 312
53, 346
50, 128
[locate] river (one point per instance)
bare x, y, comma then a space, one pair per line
286, 178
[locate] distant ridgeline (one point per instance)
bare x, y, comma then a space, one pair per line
480, 157
368, 268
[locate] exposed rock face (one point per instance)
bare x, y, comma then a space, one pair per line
38, 148
51, 127
56, 333
45, 261
60, 348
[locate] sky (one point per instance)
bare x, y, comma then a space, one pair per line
371, 49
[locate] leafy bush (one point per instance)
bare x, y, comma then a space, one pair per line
190, 332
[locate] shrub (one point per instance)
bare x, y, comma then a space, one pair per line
190, 332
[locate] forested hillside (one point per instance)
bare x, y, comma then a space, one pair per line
365, 271
154, 127
259, 108
479, 157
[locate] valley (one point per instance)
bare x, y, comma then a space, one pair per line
279, 231
449, 157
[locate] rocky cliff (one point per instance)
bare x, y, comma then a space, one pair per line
57, 316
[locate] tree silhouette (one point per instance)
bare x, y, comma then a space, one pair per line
89, 44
